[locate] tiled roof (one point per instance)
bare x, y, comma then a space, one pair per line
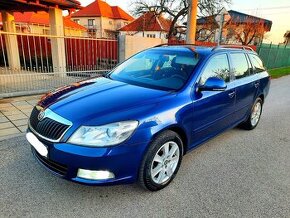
42, 18
148, 22
238, 17
38, 5
100, 8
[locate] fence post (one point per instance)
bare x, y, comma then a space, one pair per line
277, 54
11, 40
57, 44
121, 48
267, 64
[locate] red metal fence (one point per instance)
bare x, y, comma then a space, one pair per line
81, 53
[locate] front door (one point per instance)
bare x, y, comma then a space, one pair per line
213, 110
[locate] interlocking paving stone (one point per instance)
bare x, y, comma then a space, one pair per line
3, 120
20, 103
22, 128
26, 111
20, 122
16, 117
6, 125
8, 109
9, 131
32, 102
14, 113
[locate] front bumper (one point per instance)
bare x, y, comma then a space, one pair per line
65, 159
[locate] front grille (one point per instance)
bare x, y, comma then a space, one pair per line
54, 166
48, 128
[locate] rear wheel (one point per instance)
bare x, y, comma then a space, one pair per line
161, 161
254, 116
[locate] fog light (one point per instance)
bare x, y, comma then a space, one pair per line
95, 175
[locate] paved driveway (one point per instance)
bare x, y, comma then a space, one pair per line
239, 173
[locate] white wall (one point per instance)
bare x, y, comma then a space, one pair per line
102, 24
130, 45
158, 34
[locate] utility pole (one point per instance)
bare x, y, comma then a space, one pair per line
220, 38
191, 21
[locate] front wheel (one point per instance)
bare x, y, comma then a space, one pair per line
254, 116
161, 161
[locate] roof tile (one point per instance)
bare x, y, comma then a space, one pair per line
148, 22
42, 18
100, 8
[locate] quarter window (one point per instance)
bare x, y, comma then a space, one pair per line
240, 65
218, 66
257, 63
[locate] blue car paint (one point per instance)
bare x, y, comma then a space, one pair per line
198, 116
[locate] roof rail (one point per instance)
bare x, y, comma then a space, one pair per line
166, 44
233, 46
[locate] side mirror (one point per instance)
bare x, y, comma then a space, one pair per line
213, 84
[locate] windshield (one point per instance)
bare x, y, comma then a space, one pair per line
157, 69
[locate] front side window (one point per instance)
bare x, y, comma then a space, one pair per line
157, 69
218, 66
257, 63
240, 65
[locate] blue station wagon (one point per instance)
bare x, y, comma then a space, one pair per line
135, 123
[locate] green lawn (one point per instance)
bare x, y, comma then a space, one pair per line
278, 72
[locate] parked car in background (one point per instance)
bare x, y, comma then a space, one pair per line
138, 122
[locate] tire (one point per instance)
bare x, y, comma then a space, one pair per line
256, 110
156, 170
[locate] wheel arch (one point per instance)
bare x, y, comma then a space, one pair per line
177, 129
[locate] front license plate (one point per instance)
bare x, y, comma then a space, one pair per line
38, 145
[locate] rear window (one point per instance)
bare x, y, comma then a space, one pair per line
240, 65
257, 63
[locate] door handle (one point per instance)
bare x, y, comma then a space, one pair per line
257, 84
232, 94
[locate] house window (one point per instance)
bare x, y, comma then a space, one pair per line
91, 22
77, 21
110, 22
151, 36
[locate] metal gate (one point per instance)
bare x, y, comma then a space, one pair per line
85, 57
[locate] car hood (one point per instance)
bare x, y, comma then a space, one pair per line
89, 100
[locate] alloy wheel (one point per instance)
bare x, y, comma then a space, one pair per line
165, 162
256, 113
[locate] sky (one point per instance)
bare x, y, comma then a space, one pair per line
278, 11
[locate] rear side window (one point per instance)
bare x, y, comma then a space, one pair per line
240, 65
218, 66
257, 63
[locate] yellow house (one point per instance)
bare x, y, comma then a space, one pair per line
38, 23
101, 19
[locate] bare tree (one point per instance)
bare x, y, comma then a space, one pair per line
176, 10
246, 31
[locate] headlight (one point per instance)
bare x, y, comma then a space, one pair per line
107, 135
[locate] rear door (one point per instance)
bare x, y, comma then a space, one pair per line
246, 84
263, 78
